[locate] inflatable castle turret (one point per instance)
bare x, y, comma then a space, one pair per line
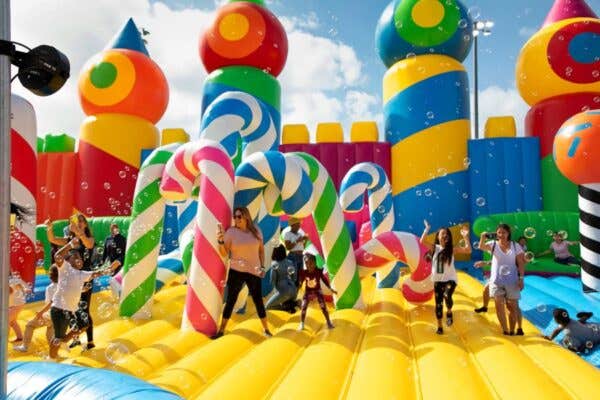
426, 109
558, 75
124, 93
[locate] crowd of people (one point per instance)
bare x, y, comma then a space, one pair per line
66, 313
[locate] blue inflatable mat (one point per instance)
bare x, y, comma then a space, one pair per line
539, 299
46, 381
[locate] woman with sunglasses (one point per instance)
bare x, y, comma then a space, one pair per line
243, 244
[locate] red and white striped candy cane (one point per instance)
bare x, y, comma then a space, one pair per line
208, 160
390, 247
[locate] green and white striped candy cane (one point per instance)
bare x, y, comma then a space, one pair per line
334, 236
143, 239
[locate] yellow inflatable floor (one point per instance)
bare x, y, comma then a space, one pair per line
391, 351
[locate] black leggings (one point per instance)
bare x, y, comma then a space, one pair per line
87, 298
443, 290
235, 282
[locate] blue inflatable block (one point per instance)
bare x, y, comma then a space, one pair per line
47, 381
540, 297
504, 176
170, 234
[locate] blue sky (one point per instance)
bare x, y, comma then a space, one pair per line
341, 81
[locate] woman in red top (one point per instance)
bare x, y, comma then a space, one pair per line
311, 276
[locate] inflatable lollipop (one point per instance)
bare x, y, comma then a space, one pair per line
576, 153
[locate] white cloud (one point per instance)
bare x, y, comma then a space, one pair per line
309, 21
496, 101
361, 105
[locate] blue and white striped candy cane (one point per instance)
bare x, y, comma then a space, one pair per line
234, 115
371, 178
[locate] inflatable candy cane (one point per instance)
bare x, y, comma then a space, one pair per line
389, 248
371, 178
237, 114
143, 239
208, 271
335, 238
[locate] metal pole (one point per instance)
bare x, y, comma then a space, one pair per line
476, 90
4, 195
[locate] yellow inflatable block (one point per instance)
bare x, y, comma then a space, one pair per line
192, 373
384, 364
322, 370
163, 352
563, 370
330, 132
295, 134
255, 374
410, 71
434, 353
173, 135
364, 131
122, 136
431, 153
500, 127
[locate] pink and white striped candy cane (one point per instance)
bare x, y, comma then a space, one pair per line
208, 160
388, 248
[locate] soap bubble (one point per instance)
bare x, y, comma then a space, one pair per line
106, 185
106, 310
563, 234
428, 192
529, 256
529, 232
462, 23
474, 12
480, 201
430, 115
84, 185
505, 270
541, 308
122, 174
549, 232
116, 352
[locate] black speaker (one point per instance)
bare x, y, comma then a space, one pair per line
44, 70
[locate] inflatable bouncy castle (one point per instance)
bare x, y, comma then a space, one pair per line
361, 198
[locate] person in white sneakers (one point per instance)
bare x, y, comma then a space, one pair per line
295, 242
71, 280
42, 317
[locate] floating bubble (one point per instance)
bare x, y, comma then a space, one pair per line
442, 172
505, 270
480, 201
83, 304
84, 185
465, 195
28, 249
381, 209
541, 308
476, 245
430, 115
506, 181
116, 352
203, 316
529, 256
106, 185
462, 23
589, 344
52, 195
474, 12
43, 189
411, 56
428, 192
462, 243
291, 270
122, 174
529, 232
563, 234
549, 232
418, 192
368, 257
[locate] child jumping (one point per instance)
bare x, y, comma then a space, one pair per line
16, 301
311, 276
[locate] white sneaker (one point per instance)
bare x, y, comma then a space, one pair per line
21, 348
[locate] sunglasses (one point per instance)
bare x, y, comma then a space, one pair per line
238, 216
